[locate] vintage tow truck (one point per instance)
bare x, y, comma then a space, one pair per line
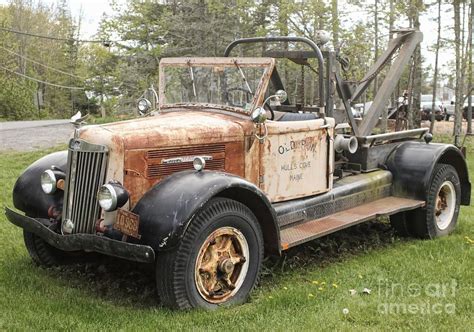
229, 168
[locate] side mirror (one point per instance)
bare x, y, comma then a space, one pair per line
281, 96
143, 106
259, 115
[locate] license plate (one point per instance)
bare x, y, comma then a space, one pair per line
127, 223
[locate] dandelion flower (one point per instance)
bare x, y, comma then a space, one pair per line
285, 288
320, 288
315, 282
345, 311
334, 285
310, 295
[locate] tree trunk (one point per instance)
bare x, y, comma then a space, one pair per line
335, 23
376, 42
391, 21
470, 90
435, 74
459, 84
417, 77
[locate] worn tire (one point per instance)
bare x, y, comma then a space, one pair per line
430, 222
176, 274
41, 252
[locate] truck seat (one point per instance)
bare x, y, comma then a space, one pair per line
297, 117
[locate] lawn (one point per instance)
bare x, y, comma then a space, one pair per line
413, 284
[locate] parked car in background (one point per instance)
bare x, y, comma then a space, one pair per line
449, 109
426, 105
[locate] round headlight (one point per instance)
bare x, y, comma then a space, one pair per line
48, 182
107, 197
112, 196
143, 105
199, 163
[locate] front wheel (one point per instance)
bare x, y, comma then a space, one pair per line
440, 216
43, 254
216, 263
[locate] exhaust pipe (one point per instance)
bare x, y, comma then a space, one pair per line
345, 144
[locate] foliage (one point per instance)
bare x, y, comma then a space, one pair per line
146, 31
38, 58
15, 99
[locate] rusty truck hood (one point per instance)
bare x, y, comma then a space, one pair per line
173, 128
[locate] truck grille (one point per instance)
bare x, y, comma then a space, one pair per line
168, 161
87, 164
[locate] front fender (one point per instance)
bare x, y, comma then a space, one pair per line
27, 193
412, 165
167, 209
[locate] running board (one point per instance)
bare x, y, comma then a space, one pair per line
313, 229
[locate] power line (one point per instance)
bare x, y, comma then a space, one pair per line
40, 81
43, 65
104, 42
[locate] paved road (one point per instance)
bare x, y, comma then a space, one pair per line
33, 135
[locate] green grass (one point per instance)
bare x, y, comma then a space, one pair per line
113, 294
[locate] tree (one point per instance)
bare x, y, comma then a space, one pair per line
435, 74
459, 82
470, 55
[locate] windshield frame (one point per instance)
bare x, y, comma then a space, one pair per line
267, 63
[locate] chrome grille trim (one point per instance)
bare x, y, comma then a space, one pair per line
87, 165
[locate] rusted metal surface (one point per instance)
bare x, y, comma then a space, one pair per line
101, 135
143, 151
146, 167
221, 265
295, 160
177, 129
310, 230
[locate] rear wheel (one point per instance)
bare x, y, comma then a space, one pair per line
440, 216
217, 262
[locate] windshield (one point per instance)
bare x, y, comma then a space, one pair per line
218, 81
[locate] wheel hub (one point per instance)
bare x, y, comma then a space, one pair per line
445, 205
221, 265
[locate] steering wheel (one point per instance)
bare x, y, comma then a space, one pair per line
249, 95
267, 107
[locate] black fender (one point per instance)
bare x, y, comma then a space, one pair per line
27, 193
412, 164
167, 209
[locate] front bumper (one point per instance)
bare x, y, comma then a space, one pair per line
87, 242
